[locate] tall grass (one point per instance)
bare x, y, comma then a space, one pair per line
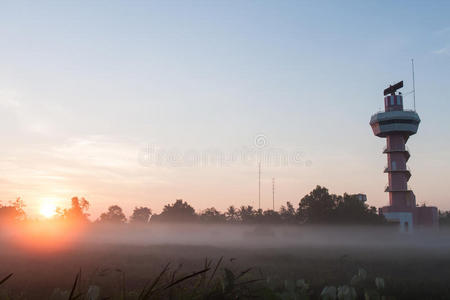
214, 281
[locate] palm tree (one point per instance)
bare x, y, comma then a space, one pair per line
232, 215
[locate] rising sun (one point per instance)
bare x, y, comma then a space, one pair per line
48, 210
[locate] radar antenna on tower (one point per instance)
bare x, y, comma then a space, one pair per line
393, 88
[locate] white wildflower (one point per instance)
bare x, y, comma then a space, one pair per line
328, 293
362, 273
59, 294
346, 293
379, 282
301, 283
93, 293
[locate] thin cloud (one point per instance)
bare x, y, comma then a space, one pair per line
443, 31
8, 99
443, 51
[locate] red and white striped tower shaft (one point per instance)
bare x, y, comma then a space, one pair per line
397, 125
400, 196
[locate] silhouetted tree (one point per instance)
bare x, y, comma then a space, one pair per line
259, 216
247, 214
444, 218
179, 211
351, 210
271, 217
12, 212
141, 215
320, 206
288, 213
77, 211
113, 215
212, 215
317, 206
232, 215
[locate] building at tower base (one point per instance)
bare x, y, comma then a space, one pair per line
417, 217
397, 125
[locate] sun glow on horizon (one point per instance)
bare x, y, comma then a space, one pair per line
48, 210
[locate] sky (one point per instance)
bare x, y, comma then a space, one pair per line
139, 103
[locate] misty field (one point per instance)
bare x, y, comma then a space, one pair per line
121, 261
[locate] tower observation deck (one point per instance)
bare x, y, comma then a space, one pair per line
397, 125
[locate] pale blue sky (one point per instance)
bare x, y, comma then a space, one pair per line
84, 86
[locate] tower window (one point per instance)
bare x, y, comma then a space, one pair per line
392, 100
394, 165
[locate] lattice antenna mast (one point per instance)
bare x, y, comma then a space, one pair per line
259, 185
273, 194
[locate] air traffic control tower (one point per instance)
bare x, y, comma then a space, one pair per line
397, 125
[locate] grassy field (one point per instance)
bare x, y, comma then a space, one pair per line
412, 268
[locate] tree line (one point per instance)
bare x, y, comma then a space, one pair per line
317, 207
